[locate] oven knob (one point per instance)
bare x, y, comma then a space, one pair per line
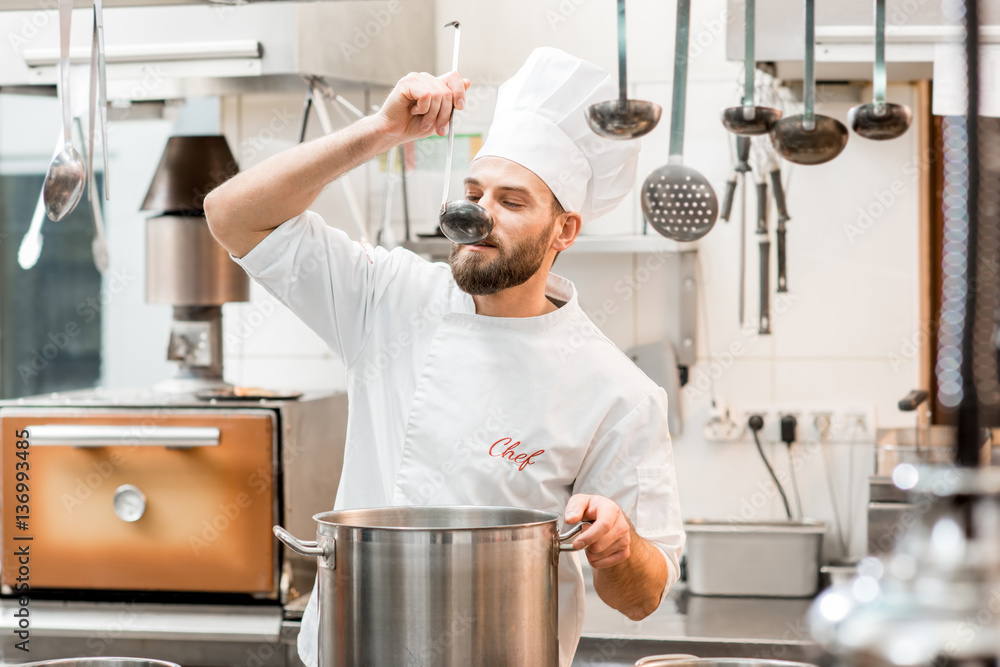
129, 503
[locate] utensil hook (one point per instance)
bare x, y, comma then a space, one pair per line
809, 112
879, 78
680, 81
749, 62
622, 75
451, 120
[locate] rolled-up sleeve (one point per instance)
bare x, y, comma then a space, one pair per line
633, 464
331, 283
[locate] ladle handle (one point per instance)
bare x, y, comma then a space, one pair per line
727, 198
782, 270
749, 61
762, 207
622, 76
878, 78
764, 325
65, 22
451, 119
680, 79
809, 83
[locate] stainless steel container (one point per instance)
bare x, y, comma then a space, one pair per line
449, 586
186, 266
761, 559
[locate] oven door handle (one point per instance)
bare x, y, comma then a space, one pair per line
306, 547
108, 435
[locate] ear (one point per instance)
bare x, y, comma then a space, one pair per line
567, 228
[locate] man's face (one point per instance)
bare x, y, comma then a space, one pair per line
524, 218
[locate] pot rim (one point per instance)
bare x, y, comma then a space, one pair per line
541, 517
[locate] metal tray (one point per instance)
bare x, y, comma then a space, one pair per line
758, 559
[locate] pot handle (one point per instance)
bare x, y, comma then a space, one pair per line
569, 535
302, 547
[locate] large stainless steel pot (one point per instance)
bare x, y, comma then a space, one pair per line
450, 586
100, 662
690, 661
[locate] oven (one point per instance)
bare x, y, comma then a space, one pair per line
165, 502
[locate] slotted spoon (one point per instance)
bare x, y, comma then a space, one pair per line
678, 201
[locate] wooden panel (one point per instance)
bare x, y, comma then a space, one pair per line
208, 518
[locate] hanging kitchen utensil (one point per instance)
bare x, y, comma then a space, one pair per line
31, 243
326, 124
385, 237
99, 246
779, 204
66, 175
462, 221
678, 201
406, 199
741, 167
749, 119
98, 99
809, 138
880, 120
623, 118
743, 240
763, 242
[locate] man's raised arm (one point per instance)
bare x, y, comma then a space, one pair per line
246, 208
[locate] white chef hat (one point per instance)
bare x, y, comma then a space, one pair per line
540, 123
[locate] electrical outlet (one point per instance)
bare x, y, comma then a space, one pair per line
815, 423
722, 427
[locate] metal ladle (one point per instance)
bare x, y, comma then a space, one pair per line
623, 118
462, 221
809, 138
880, 120
67, 173
748, 119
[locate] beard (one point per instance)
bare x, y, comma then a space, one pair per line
514, 264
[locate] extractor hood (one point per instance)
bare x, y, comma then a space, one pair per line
165, 52
845, 36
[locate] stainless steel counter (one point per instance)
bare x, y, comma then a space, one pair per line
220, 637
702, 626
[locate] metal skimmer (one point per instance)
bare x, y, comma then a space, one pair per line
678, 201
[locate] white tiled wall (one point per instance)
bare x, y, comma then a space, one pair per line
853, 301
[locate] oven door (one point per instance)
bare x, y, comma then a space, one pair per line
141, 499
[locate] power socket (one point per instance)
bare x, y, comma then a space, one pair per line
722, 427
816, 423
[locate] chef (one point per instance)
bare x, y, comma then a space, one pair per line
481, 380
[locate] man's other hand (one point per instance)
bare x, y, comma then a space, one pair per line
609, 537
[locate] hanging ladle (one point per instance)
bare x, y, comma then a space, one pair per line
462, 221
748, 119
809, 138
880, 120
623, 118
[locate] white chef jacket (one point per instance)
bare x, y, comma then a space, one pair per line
448, 407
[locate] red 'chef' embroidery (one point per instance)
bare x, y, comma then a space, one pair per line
509, 453
365, 248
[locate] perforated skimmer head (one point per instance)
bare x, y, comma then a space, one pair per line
679, 203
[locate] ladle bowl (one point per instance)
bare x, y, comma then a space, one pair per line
797, 144
867, 122
735, 120
609, 120
63, 183
465, 222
